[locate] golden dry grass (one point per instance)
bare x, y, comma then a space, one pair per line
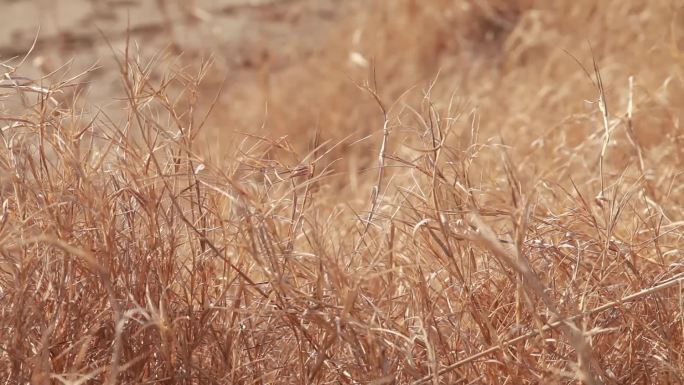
443, 193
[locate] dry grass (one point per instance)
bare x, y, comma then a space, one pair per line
516, 219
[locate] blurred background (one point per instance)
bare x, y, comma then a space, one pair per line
284, 69
241, 34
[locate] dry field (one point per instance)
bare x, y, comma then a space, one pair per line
341, 192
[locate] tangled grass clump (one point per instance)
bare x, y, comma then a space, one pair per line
516, 235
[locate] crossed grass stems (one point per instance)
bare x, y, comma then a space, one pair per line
209, 262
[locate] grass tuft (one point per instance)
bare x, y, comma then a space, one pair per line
442, 194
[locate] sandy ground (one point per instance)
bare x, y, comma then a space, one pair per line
238, 33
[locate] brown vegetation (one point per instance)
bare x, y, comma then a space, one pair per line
440, 193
